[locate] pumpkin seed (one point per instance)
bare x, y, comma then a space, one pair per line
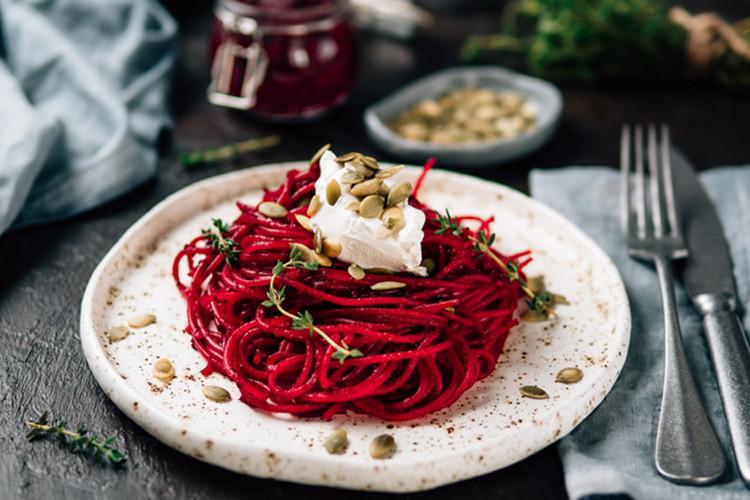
366, 188
353, 206
141, 320
356, 272
370, 162
387, 285
306, 254
399, 193
371, 206
450, 309
332, 248
333, 192
393, 219
314, 206
536, 284
318, 240
429, 264
533, 316
347, 157
533, 392
389, 172
560, 299
351, 177
323, 260
303, 221
117, 333
337, 442
379, 270
216, 393
163, 370
361, 170
382, 446
569, 376
272, 209
384, 190
317, 156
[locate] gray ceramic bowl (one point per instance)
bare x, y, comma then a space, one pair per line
545, 95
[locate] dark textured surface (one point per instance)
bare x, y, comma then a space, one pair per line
43, 271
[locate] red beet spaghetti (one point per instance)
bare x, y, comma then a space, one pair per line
396, 354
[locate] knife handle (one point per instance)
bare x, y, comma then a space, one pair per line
731, 356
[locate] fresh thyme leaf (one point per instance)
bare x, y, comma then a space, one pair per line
310, 266
219, 242
447, 224
267, 303
78, 441
295, 254
278, 268
303, 321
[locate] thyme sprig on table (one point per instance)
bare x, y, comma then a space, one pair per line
303, 320
229, 151
78, 441
217, 236
540, 302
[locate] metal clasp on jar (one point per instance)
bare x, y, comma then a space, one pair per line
231, 53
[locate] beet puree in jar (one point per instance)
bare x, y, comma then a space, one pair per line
282, 59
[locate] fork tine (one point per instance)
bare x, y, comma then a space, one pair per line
666, 165
640, 183
657, 193
625, 216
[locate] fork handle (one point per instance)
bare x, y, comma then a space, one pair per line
731, 355
687, 449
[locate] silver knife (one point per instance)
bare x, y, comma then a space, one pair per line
707, 275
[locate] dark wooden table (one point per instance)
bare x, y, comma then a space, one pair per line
43, 270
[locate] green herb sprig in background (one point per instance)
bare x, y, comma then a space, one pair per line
229, 151
78, 441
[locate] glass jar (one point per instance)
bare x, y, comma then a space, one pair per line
282, 59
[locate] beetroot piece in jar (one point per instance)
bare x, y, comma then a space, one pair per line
282, 59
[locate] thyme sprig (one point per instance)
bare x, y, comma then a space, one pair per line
78, 441
303, 320
540, 302
217, 236
229, 151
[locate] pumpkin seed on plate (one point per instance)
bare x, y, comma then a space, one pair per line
317, 156
117, 333
141, 320
323, 260
370, 162
216, 393
318, 240
163, 370
533, 392
333, 192
569, 375
383, 446
366, 188
389, 172
533, 316
337, 442
393, 219
353, 205
315, 206
351, 177
361, 170
356, 272
536, 284
371, 206
387, 285
384, 190
303, 221
307, 255
429, 264
347, 157
272, 209
332, 248
399, 193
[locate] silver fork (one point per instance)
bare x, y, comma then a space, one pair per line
687, 449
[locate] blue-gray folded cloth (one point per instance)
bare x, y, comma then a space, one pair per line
83, 97
611, 452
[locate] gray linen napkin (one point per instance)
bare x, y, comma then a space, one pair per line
611, 451
83, 96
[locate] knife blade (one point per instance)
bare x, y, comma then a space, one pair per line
708, 278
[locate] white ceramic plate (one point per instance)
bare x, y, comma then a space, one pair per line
490, 427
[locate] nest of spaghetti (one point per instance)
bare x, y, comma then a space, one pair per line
337, 345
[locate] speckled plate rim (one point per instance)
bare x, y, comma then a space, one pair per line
167, 428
